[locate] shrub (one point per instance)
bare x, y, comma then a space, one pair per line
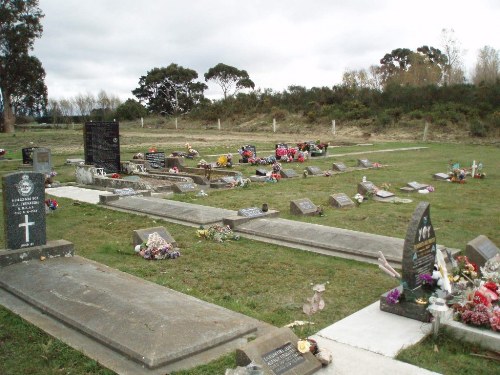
477, 128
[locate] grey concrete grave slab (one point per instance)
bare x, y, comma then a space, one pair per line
179, 212
133, 317
77, 193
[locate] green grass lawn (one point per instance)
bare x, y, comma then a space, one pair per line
267, 282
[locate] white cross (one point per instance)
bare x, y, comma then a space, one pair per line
26, 226
474, 166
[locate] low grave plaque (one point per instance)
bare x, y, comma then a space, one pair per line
27, 155
24, 209
303, 207
314, 171
42, 161
101, 142
278, 355
341, 200
417, 186
156, 159
261, 172
250, 212
339, 167
365, 163
366, 188
228, 180
141, 235
441, 176
288, 173
185, 187
407, 189
384, 194
480, 250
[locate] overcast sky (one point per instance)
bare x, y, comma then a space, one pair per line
109, 44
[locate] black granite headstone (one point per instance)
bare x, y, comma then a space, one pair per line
339, 167
156, 159
24, 209
42, 162
101, 141
27, 153
419, 251
288, 173
314, 171
303, 207
480, 250
341, 200
250, 212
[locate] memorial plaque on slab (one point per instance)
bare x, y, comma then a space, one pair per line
339, 167
185, 187
314, 171
250, 212
142, 235
156, 159
419, 251
303, 207
384, 194
24, 209
480, 250
228, 180
101, 142
277, 353
288, 173
366, 188
42, 162
261, 172
341, 200
365, 163
417, 186
441, 176
27, 155
407, 189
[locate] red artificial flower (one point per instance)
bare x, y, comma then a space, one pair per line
491, 286
480, 299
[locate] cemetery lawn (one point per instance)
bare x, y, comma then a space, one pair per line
264, 281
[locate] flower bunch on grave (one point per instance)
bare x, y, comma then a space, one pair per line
271, 159
273, 177
51, 204
156, 248
153, 149
2, 152
464, 269
217, 233
358, 198
116, 175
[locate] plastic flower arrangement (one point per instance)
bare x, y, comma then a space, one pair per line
156, 248
51, 204
465, 269
2, 152
116, 175
217, 233
491, 270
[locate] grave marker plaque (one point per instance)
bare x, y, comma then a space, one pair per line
480, 250
142, 235
42, 162
156, 159
384, 194
101, 142
416, 185
303, 207
314, 171
341, 200
185, 187
441, 176
261, 172
365, 163
366, 188
419, 251
24, 209
288, 173
250, 212
339, 167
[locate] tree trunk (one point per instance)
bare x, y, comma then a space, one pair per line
8, 116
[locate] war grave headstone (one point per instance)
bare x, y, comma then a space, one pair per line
419, 254
341, 200
101, 142
277, 353
27, 154
303, 207
339, 167
185, 187
141, 235
365, 163
288, 173
314, 171
156, 160
366, 188
42, 160
480, 250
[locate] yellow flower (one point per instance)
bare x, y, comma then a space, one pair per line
303, 346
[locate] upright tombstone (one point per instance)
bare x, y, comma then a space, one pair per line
42, 160
419, 254
365, 163
27, 154
480, 250
24, 210
101, 142
341, 200
156, 160
339, 167
303, 207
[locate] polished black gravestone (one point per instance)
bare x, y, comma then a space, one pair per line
27, 154
24, 210
101, 143
303, 207
42, 160
288, 173
277, 353
480, 250
341, 200
314, 171
156, 160
339, 167
419, 254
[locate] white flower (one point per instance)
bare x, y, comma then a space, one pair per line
303, 346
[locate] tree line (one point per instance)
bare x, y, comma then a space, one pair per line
425, 82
